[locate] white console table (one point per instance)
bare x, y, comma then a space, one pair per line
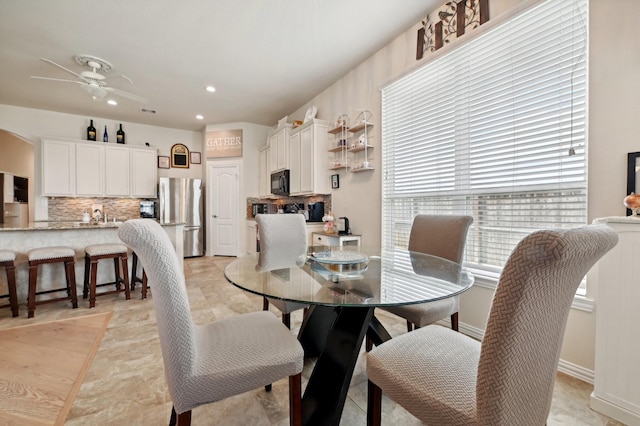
616, 390
323, 239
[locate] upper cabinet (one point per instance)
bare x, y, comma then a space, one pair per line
309, 162
279, 148
89, 169
58, 168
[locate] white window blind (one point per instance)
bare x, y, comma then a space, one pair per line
494, 129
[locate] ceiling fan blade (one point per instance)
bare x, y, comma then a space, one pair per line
127, 95
61, 67
58, 79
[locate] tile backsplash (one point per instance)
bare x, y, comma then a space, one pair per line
64, 209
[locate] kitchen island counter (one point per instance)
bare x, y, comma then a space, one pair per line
69, 234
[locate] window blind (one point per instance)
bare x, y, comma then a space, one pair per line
494, 129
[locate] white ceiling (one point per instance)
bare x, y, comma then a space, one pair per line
266, 58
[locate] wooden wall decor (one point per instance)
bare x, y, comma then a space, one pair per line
452, 18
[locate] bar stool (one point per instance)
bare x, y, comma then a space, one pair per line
134, 276
41, 256
95, 252
7, 259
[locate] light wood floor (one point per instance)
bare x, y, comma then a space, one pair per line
125, 383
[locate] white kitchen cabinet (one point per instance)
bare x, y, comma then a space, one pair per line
309, 161
279, 148
144, 173
251, 237
616, 388
89, 170
313, 227
58, 168
94, 169
117, 172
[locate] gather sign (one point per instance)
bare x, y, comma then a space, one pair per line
223, 143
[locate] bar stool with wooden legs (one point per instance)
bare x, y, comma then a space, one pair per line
135, 278
45, 255
7, 259
95, 252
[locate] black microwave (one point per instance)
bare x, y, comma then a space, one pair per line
280, 183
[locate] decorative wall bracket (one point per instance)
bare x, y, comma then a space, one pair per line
452, 18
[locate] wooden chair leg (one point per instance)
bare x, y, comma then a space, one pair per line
33, 279
125, 276
374, 404
93, 283
116, 271
295, 400
183, 419
11, 284
409, 326
368, 344
265, 304
85, 286
454, 322
134, 270
70, 275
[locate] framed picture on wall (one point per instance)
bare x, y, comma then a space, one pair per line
163, 162
196, 157
180, 156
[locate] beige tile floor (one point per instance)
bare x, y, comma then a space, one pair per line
125, 383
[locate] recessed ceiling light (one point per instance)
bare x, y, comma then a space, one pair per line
211, 89
112, 102
200, 117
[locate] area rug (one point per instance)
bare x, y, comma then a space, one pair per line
43, 365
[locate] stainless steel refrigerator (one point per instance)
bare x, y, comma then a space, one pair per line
181, 201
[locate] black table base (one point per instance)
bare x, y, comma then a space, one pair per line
334, 335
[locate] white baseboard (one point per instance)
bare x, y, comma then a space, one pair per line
614, 411
565, 367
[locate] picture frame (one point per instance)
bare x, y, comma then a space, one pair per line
633, 175
163, 162
180, 156
335, 181
196, 157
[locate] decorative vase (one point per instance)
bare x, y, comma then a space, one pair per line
632, 202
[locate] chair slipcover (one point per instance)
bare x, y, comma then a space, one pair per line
445, 378
206, 363
438, 235
283, 244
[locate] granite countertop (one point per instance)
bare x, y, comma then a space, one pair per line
44, 225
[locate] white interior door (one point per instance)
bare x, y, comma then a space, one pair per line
223, 208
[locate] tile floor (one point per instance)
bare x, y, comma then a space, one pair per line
125, 383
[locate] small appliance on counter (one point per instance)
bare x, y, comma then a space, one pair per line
148, 209
343, 226
259, 208
316, 211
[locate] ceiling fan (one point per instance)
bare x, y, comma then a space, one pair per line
92, 81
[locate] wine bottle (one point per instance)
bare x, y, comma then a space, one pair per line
105, 137
91, 132
120, 135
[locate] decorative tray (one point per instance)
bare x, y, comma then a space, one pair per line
339, 257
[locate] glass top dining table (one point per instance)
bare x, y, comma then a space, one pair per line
343, 285
349, 276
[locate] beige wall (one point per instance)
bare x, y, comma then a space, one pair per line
614, 63
17, 158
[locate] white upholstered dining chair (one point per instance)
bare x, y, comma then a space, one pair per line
443, 236
210, 362
280, 233
446, 378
